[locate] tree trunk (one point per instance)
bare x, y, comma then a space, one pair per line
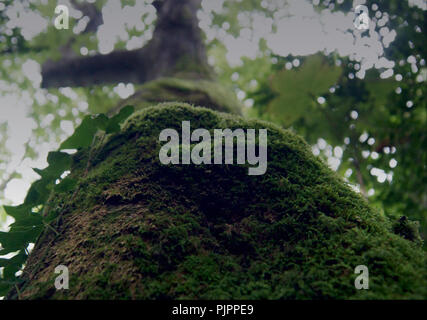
137, 229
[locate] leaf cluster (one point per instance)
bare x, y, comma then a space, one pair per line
30, 221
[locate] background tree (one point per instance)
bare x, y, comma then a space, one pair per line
373, 121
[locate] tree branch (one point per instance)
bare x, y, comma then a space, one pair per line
84, 71
176, 49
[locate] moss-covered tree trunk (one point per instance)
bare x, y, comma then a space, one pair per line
134, 228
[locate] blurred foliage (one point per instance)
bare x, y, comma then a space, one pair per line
51, 110
11, 40
378, 123
299, 89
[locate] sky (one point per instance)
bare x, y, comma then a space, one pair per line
301, 31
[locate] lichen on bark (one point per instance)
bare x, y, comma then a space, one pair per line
136, 229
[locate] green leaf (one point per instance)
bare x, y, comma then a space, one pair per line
8, 262
23, 216
58, 163
52, 215
38, 171
18, 212
83, 135
28, 225
12, 265
66, 184
5, 287
40, 189
114, 122
33, 219
16, 240
297, 89
5, 251
101, 121
38, 193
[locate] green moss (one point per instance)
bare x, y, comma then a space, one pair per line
138, 229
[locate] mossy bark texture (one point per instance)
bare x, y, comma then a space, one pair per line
137, 229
